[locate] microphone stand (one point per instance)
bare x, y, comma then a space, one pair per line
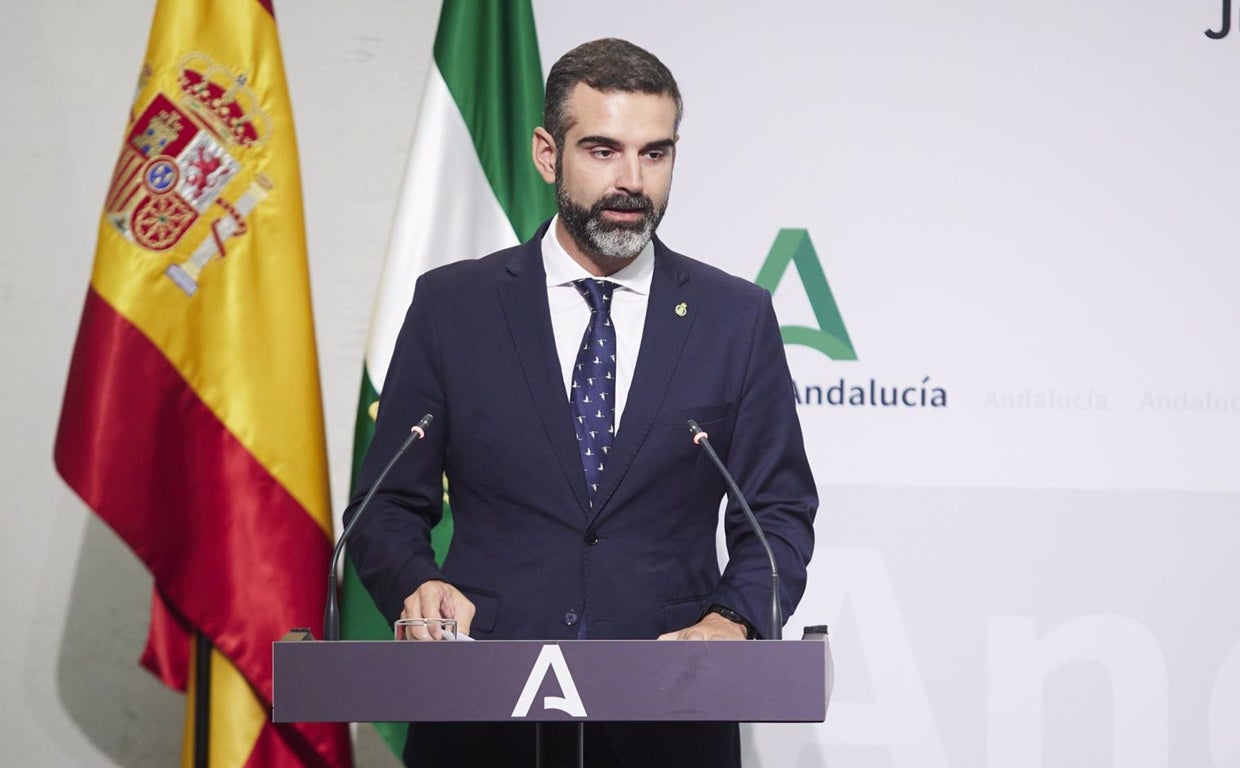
776, 622
331, 612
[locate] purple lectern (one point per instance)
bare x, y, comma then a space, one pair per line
544, 681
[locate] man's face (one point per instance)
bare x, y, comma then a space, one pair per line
613, 174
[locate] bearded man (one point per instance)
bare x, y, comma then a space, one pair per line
581, 507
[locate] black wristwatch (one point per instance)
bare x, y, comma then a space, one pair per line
733, 616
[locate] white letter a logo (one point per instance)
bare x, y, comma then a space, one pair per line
550, 657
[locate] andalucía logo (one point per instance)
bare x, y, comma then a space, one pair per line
793, 246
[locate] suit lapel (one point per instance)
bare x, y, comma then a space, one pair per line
524, 299
662, 341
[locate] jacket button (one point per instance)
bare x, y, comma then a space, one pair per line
571, 618
591, 538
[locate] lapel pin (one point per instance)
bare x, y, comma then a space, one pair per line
682, 309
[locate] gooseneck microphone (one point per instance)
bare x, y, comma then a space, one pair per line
331, 613
700, 437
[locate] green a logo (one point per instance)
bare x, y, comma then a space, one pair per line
830, 337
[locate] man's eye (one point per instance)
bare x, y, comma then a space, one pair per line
602, 153
656, 154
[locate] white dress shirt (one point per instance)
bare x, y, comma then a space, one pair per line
570, 313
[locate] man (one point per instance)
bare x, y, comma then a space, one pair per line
582, 508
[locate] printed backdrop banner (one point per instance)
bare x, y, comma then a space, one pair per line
999, 241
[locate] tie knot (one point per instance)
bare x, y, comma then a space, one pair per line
597, 293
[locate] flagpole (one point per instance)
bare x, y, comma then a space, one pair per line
202, 699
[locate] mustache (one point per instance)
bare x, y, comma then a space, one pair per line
622, 203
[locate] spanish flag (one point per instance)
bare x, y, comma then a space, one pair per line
192, 421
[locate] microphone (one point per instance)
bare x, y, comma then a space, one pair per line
331, 612
776, 618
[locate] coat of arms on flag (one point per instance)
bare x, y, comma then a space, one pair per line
178, 159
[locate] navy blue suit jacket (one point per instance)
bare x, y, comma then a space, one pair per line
477, 351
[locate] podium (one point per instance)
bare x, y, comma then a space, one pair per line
550, 681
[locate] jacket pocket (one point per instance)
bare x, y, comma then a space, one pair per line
486, 607
679, 415
681, 613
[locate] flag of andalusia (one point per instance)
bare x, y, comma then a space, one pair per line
192, 421
470, 188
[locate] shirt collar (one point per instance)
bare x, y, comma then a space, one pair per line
562, 270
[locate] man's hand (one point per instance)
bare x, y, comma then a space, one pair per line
711, 627
438, 600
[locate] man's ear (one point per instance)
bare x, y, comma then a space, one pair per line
544, 153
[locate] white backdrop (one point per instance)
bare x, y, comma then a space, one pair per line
1031, 205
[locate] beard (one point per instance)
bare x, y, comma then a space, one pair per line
610, 239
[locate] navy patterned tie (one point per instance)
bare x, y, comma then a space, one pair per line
593, 389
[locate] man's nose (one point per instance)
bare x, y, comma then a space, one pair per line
629, 178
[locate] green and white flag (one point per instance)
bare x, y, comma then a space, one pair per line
470, 188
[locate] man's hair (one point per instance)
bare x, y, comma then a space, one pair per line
605, 65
